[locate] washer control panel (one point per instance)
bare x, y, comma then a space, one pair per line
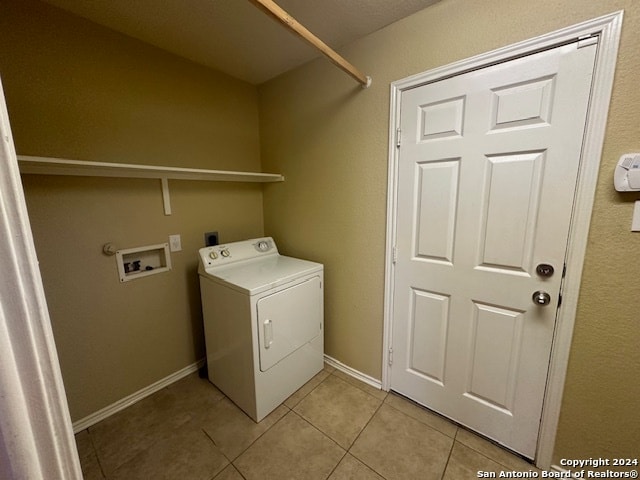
219, 255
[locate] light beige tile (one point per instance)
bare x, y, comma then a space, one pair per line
84, 444
338, 409
291, 449
422, 414
91, 469
229, 473
350, 468
188, 453
122, 436
400, 447
493, 451
328, 368
465, 463
191, 394
232, 430
306, 389
376, 392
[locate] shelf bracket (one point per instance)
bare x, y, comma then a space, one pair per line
166, 198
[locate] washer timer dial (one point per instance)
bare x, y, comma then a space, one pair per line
263, 246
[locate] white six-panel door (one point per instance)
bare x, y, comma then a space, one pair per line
487, 173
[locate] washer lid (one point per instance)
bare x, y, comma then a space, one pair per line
256, 276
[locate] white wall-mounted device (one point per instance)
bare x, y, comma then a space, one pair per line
626, 177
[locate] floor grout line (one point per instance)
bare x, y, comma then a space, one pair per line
446, 465
290, 410
358, 436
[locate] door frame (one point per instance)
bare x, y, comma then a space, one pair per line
607, 28
36, 436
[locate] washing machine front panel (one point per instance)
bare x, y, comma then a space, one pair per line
288, 319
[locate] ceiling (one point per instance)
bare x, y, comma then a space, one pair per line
237, 38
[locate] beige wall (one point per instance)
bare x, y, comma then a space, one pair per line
76, 90
329, 138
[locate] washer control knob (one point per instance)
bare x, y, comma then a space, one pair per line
225, 253
213, 255
263, 246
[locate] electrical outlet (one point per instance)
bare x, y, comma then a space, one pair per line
175, 243
210, 239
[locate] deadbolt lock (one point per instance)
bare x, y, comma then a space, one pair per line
545, 270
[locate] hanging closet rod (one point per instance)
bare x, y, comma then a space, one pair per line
275, 11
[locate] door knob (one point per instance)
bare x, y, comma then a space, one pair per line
541, 298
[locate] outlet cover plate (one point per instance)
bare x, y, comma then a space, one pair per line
175, 243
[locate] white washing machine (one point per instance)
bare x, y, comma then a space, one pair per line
263, 322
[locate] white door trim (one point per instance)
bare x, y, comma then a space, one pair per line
607, 28
36, 438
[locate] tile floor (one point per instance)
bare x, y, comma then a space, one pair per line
334, 427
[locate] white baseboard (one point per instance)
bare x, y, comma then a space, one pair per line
363, 377
129, 400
